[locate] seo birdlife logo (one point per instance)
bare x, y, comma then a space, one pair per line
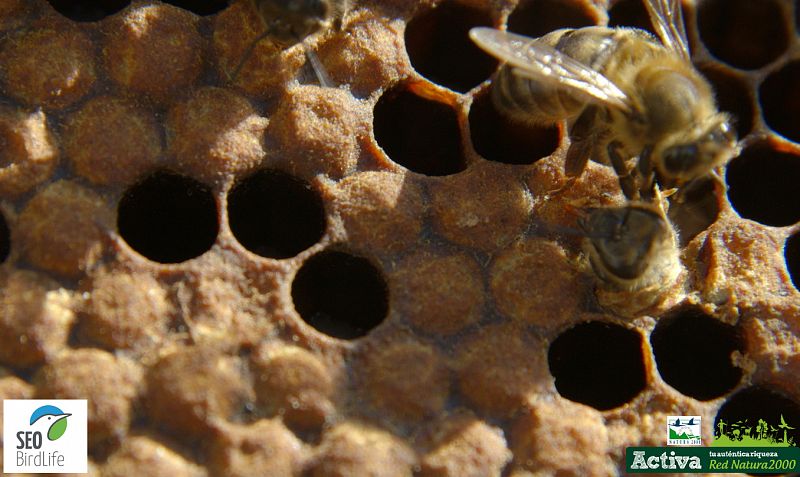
45, 436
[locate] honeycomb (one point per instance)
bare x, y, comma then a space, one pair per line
263, 276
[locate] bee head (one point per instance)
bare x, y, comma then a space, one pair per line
697, 151
619, 239
292, 20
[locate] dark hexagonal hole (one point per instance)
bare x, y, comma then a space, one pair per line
745, 34
780, 100
739, 419
598, 364
168, 218
419, 134
5, 238
792, 253
693, 354
275, 215
202, 8
762, 186
341, 295
630, 13
535, 18
694, 209
88, 10
498, 138
733, 96
439, 47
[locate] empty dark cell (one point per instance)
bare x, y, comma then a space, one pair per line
168, 218
88, 10
275, 215
5, 239
598, 364
746, 34
438, 45
738, 419
762, 186
341, 295
693, 209
693, 354
200, 7
535, 18
419, 134
780, 100
792, 253
630, 13
733, 97
500, 139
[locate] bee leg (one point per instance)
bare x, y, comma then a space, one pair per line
626, 181
582, 143
647, 174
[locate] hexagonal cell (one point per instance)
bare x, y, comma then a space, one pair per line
762, 185
792, 253
630, 13
5, 238
204, 8
168, 218
275, 215
598, 364
498, 138
88, 10
419, 134
694, 209
733, 96
780, 101
722, 24
341, 295
740, 418
535, 18
439, 47
693, 354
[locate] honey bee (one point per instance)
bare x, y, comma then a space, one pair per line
622, 91
290, 21
633, 247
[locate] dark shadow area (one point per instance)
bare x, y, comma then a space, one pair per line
88, 10
341, 295
275, 215
168, 218
498, 138
792, 253
733, 97
780, 100
438, 45
745, 34
693, 354
762, 186
693, 209
598, 364
419, 134
535, 18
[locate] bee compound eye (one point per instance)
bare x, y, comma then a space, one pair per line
680, 159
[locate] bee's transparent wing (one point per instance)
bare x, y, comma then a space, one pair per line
535, 60
667, 18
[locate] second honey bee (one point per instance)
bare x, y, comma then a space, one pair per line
624, 92
290, 21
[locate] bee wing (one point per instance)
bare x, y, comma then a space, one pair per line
667, 18
535, 60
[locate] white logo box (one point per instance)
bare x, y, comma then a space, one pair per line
28, 448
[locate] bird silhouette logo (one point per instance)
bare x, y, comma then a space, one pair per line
56, 419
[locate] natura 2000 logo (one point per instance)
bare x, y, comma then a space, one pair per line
44, 436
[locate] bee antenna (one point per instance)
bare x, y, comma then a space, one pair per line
319, 69
249, 51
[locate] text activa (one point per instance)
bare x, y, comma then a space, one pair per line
665, 461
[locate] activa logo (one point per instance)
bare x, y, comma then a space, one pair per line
45, 416
42, 443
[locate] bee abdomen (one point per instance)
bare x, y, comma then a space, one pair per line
532, 101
